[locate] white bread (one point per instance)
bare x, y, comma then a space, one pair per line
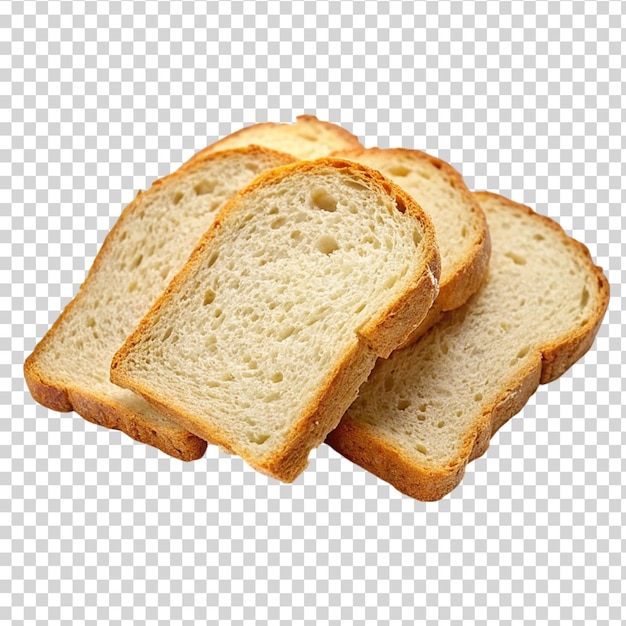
69, 368
261, 342
433, 407
460, 224
308, 138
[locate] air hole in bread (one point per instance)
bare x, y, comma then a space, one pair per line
399, 170
178, 196
286, 332
390, 282
136, 262
277, 223
209, 296
403, 404
441, 424
389, 382
211, 260
417, 237
400, 206
523, 352
464, 231
277, 377
296, 235
91, 322
422, 449
516, 258
313, 320
205, 186
360, 308
327, 244
356, 185
272, 211
539, 237
259, 439
271, 397
322, 199
371, 240
585, 297
168, 333
478, 397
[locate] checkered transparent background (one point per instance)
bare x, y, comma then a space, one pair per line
97, 99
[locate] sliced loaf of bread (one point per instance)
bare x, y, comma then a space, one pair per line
69, 368
459, 222
433, 407
307, 138
261, 342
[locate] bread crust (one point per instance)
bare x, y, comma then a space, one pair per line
340, 388
169, 438
349, 140
467, 275
551, 360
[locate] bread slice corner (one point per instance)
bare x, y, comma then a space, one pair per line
460, 225
69, 368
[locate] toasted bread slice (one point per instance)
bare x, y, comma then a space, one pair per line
307, 138
434, 406
69, 368
261, 342
460, 224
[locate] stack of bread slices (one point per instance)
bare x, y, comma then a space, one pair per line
287, 286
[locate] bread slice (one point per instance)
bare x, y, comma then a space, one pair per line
69, 368
433, 407
459, 222
307, 138
261, 342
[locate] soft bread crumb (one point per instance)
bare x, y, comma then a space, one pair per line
288, 316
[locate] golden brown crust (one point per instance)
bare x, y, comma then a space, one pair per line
356, 443
58, 396
169, 438
341, 386
349, 140
467, 275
